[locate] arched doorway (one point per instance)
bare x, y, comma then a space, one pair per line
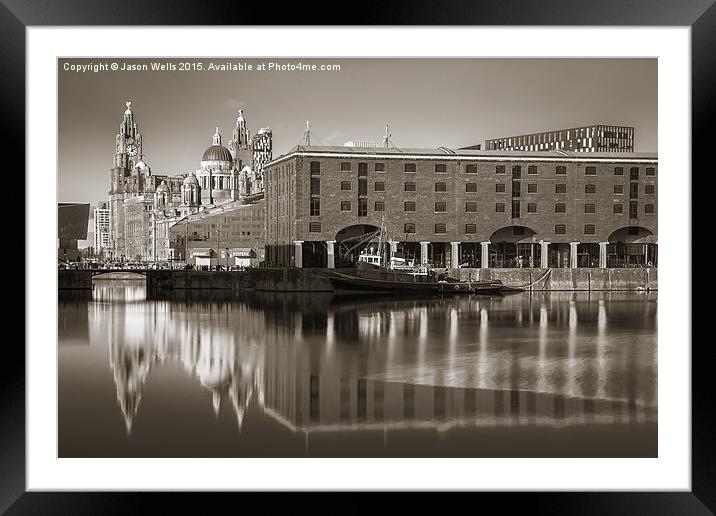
514, 247
632, 246
352, 240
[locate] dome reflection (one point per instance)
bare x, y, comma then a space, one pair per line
315, 365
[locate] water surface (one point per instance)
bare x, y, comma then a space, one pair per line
204, 375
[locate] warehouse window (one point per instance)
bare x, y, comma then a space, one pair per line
315, 207
500, 207
379, 186
362, 207
618, 189
516, 172
516, 213
532, 170
471, 187
471, 207
516, 188
648, 208
409, 187
410, 167
380, 167
440, 229
315, 186
618, 171
532, 207
634, 173
345, 185
650, 171
499, 187
560, 188
441, 187
649, 189
379, 206
590, 208
560, 208
590, 171
590, 189
590, 229
315, 168
409, 227
345, 206
561, 170
345, 166
409, 206
618, 208
314, 227
440, 168
471, 229
499, 169
531, 187
471, 169
633, 209
633, 190
560, 229
440, 207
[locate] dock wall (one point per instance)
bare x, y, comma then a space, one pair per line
315, 280
566, 279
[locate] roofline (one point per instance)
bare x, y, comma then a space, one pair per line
230, 206
588, 157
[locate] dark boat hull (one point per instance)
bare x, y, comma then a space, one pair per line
486, 287
350, 284
356, 284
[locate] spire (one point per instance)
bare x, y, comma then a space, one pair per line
240, 140
216, 401
129, 108
307, 134
216, 140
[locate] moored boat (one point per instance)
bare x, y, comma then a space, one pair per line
472, 287
400, 283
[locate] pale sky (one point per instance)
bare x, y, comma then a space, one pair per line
427, 102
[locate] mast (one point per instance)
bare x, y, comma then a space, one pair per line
307, 134
380, 237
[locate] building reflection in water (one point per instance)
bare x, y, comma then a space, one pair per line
316, 364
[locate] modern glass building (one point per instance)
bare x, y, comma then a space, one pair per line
592, 138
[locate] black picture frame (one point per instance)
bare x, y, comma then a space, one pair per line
700, 15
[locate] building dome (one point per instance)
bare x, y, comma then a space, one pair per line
217, 153
191, 179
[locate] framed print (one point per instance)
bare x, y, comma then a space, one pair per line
370, 258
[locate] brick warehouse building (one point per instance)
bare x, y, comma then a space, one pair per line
463, 208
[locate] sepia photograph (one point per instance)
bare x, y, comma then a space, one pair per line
357, 257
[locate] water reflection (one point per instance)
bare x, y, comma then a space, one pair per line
317, 364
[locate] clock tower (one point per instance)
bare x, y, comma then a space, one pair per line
128, 142
240, 144
127, 155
